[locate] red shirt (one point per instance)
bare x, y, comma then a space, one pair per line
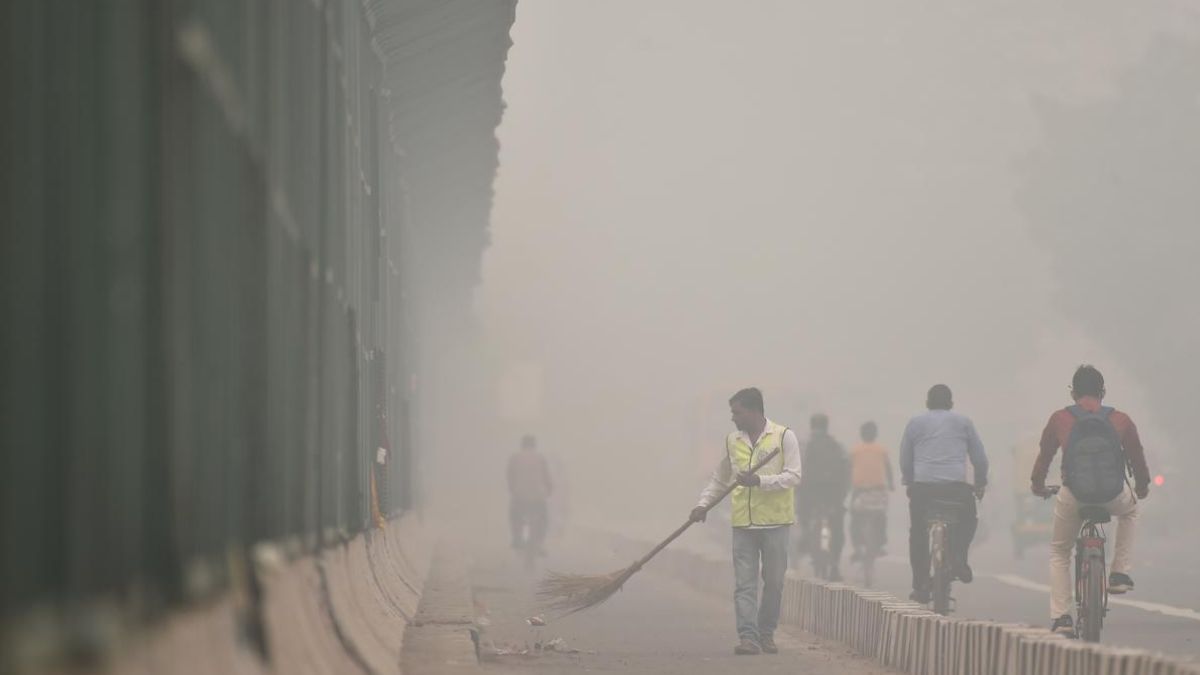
1058, 432
528, 476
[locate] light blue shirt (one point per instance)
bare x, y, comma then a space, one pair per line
937, 446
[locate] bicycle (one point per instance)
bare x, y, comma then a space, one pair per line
1091, 572
822, 557
869, 554
868, 510
528, 554
942, 516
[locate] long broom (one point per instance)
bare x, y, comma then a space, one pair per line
571, 593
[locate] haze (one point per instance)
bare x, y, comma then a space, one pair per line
820, 199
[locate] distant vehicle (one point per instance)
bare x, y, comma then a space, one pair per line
1033, 517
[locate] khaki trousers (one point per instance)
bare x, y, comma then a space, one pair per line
1062, 544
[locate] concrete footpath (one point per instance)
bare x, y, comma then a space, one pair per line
657, 624
439, 638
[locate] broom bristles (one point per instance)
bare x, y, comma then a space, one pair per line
571, 593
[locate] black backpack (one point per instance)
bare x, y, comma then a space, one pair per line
1094, 462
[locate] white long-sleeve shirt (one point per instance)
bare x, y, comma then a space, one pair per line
724, 475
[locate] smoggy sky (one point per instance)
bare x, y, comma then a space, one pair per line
816, 198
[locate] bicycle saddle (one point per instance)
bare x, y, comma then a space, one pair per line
1095, 514
945, 510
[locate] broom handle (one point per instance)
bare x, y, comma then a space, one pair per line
683, 528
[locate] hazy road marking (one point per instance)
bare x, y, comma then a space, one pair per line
1030, 585
1019, 582
1167, 610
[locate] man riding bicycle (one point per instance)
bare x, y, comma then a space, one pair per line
1099, 445
870, 480
934, 454
822, 493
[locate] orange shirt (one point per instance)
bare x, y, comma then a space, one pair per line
870, 467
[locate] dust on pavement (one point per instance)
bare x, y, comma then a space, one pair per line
655, 625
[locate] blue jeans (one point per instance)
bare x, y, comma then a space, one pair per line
750, 548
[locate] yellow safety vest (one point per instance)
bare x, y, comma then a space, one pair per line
753, 506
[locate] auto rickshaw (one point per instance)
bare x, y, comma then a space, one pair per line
1033, 517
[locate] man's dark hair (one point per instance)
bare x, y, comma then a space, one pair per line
1087, 381
869, 431
819, 422
939, 398
749, 398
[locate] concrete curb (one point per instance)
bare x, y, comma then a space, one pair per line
387, 601
906, 636
442, 636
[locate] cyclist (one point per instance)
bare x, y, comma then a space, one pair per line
529, 487
1099, 445
934, 453
823, 489
870, 480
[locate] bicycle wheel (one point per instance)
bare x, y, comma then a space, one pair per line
820, 565
822, 557
939, 560
872, 545
1091, 606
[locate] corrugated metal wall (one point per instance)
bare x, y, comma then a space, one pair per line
207, 276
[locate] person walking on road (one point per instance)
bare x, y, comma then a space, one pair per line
871, 479
529, 487
1100, 445
822, 493
762, 513
934, 454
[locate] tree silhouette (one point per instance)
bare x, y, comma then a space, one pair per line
1113, 194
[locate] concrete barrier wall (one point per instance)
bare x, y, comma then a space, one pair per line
351, 609
907, 636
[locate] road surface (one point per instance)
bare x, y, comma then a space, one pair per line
656, 625
1162, 615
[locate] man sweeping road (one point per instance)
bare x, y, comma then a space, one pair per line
762, 513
